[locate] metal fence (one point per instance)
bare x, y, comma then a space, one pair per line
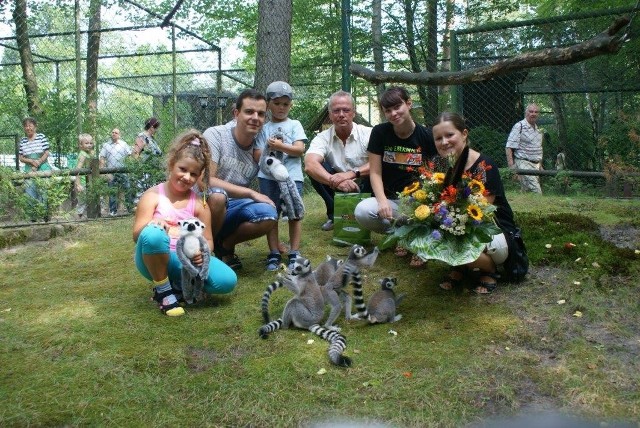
590, 111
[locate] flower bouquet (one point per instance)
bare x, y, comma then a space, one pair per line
441, 221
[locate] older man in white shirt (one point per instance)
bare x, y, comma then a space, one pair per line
337, 158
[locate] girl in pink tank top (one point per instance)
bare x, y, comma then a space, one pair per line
155, 228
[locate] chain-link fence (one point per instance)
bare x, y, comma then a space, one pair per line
88, 78
589, 111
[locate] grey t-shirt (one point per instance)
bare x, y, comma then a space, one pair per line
235, 165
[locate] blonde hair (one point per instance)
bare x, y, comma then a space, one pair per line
85, 138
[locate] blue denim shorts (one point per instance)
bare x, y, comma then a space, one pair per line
244, 210
271, 189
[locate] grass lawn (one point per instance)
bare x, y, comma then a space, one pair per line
82, 344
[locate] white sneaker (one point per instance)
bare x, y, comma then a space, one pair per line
328, 225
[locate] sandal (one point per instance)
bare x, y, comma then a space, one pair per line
452, 280
488, 286
229, 257
273, 261
400, 251
416, 262
233, 261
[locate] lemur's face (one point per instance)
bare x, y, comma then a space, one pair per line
358, 251
191, 225
300, 266
388, 283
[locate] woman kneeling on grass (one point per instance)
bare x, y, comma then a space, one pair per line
451, 137
155, 228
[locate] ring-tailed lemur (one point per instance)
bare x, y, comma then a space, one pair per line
305, 310
290, 200
322, 273
382, 305
334, 288
190, 243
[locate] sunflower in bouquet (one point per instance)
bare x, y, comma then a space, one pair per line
443, 218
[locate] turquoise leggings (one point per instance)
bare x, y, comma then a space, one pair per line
154, 240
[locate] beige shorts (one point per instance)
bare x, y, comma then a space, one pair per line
497, 249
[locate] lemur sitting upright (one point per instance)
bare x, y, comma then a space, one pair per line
305, 310
333, 289
382, 305
190, 243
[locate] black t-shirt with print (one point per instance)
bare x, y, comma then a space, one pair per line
400, 157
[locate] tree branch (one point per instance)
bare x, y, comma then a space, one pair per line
605, 43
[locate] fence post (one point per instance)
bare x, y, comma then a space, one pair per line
93, 197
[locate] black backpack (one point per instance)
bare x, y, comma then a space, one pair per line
517, 264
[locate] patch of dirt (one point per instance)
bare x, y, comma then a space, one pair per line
622, 236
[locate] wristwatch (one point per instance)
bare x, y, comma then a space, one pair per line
357, 172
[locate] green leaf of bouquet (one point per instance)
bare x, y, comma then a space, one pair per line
389, 241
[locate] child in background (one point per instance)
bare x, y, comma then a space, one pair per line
156, 231
287, 136
85, 144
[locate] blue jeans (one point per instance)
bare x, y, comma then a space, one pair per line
154, 240
244, 210
121, 184
36, 198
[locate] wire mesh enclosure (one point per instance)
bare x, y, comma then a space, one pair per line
588, 109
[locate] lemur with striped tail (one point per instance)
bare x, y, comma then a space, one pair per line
382, 305
333, 289
322, 274
305, 310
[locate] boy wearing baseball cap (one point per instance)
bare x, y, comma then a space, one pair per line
286, 138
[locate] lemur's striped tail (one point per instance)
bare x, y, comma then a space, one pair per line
266, 297
337, 345
270, 327
358, 297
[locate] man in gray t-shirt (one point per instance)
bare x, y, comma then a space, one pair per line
244, 214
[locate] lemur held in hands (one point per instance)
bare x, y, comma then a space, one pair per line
305, 310
290, 200
382, 305
190, 243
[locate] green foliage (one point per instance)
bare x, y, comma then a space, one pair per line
620, 141
489, 142
54, 191
11, 197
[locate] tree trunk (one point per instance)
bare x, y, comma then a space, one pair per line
273, 50
93, 51
409, 17
446, 41
430, 105
26, 59
378, 55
